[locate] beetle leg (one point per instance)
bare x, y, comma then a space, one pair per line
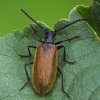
38, 39
62, 81
28, 51
27, 63
67, 40
59, 47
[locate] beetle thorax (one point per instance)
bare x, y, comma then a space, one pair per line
49, 38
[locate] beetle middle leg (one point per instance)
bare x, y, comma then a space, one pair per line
62, 81
28, 51
59, 47
27, 63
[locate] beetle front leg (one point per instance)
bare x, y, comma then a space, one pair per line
28, 51
59, 47
38, 39
28, 63
67, 40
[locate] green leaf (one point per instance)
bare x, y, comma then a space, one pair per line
81, 80
93, 13
96, 1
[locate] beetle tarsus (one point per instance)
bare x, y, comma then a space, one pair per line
24, 85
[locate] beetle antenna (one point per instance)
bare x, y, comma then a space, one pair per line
33, 19
71, 24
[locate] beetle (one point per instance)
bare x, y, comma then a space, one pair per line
45, 63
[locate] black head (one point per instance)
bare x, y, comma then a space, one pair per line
49, 35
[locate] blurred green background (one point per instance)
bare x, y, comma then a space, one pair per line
47, 11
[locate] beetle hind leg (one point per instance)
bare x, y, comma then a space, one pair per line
62, 82
28, 79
